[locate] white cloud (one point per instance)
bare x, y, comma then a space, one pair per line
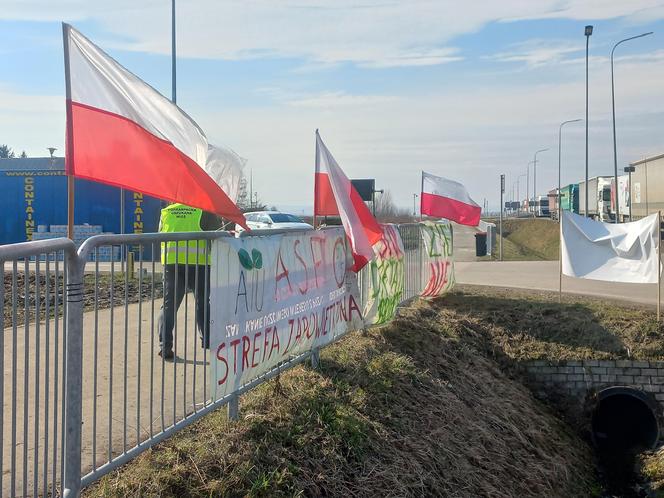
472, 134
373, 33
536, 53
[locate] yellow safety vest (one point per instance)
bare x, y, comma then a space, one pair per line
181, 218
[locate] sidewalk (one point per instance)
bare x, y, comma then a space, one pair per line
129, 386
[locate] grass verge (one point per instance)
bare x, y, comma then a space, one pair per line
529, 239
416, 408
527, 325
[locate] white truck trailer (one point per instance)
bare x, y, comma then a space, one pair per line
599, 198
623, 198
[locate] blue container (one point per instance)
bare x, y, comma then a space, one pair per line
34, 193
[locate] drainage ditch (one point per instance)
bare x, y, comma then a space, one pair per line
624, 423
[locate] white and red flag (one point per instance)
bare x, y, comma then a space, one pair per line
443, 198
334, 195
122, 132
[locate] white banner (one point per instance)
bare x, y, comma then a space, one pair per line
386, 277
438, 261
623, 252
274, 297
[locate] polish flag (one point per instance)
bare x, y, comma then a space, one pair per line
443, 198
334, 195
122, 132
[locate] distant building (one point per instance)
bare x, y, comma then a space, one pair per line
647, 188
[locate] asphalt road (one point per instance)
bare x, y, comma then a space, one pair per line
543, 275
536, 275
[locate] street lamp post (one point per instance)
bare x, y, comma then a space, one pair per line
613, 107
528, 186
560, 132
535, 172
588, 32
518, 184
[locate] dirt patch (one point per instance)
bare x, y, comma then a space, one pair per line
416, 408
53, 294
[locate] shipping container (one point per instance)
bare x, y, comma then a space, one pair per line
34, 198
599, 193
647, 189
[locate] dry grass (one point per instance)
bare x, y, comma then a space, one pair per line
416, 408
651, 466
529, 239
525, 325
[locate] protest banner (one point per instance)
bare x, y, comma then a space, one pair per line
275, 297
386, 277
438, 261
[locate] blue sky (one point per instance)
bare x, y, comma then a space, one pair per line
462, 90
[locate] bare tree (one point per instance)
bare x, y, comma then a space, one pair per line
387, 210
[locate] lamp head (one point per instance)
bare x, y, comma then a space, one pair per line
589, 30
52, 150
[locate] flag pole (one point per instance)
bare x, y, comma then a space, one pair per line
315, 179
659, 263
69, 146
421, 191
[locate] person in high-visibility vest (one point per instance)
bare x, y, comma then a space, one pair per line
186, 268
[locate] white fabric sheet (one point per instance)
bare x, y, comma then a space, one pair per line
225, 167
623, 252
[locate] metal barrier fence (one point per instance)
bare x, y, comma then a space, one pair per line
83, 388
33, 365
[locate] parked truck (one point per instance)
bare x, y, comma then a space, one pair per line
553, 203
569, 198
599, 198
541, 206
623, 199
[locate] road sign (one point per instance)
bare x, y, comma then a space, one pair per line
365, 188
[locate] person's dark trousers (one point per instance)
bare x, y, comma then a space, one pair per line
186, 280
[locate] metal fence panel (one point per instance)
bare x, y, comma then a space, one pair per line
413, 246
80, 361
32, 367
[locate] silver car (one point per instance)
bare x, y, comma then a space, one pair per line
261, 220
